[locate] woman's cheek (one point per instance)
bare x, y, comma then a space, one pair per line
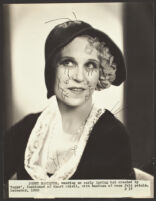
61, 84
63, 77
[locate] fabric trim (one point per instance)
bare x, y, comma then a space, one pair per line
50, 123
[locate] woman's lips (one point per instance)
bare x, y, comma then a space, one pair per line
76, 90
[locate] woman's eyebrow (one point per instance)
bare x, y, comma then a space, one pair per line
93, 60
67, 57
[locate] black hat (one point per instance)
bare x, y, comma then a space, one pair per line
64, 33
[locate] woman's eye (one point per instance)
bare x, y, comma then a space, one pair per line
91, 65
67, 63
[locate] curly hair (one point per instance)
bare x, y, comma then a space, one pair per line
107, 65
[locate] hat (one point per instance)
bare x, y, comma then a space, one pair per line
64, 33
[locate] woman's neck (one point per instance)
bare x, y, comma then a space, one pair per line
74, 117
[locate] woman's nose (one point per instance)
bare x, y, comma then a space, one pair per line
79, 74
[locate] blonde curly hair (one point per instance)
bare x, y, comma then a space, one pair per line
107, 65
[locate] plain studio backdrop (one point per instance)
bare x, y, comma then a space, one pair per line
128, 24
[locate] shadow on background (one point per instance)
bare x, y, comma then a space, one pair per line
138, 46
7, 93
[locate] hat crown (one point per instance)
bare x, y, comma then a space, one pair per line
62, 31
72, 23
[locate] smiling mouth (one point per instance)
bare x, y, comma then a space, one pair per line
76, 90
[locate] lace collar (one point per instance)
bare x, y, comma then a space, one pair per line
50, 123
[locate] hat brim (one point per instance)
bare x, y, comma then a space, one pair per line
115, 51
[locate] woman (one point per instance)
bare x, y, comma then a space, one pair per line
73, 138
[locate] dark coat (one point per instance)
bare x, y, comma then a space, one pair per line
106, 156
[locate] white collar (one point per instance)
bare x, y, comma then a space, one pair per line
50, 123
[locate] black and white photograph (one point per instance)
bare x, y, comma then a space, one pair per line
79, 94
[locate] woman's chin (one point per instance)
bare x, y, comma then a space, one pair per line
74, 102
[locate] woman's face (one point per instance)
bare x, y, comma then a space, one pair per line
77, 72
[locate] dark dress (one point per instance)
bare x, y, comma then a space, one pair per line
106, 156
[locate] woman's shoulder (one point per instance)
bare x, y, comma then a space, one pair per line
15, 140
111, 134
23, 127
108, 125
28, 120
108, 119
